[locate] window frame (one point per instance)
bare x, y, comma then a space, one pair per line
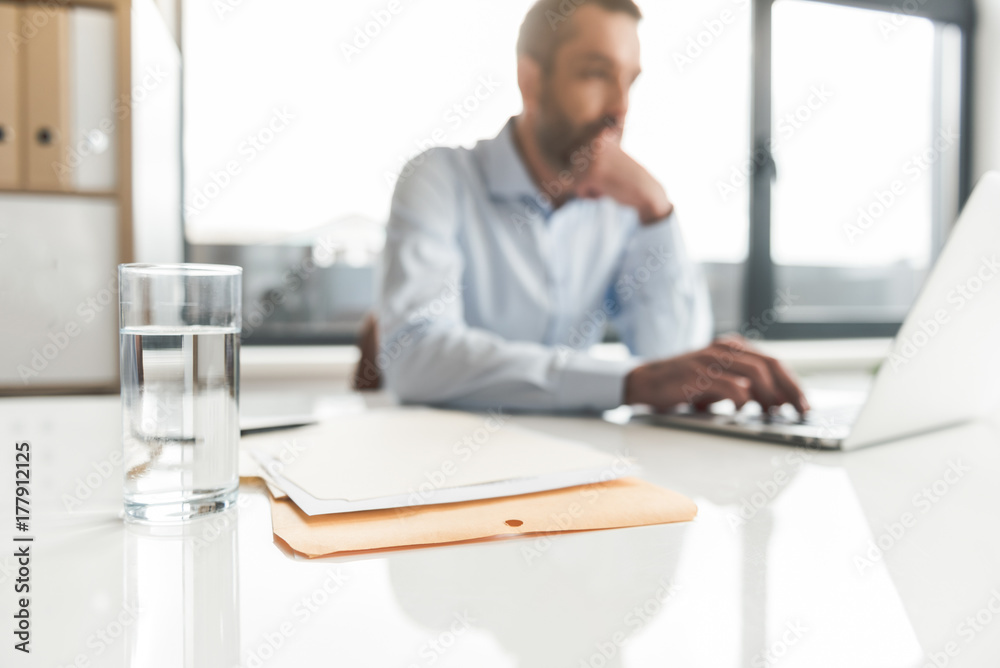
759, 279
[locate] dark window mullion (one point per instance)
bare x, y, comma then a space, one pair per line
760, 269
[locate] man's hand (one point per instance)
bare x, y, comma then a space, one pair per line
727, 369
615, 174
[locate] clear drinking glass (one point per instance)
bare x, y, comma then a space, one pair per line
180, 365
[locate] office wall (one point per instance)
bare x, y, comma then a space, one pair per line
986, 153
156, 138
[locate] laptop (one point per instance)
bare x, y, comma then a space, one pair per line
943, 368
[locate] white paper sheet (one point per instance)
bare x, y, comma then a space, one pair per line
403, 457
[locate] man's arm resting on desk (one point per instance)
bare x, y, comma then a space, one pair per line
472, 368
476, 369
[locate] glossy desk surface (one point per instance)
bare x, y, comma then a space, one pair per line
888, 556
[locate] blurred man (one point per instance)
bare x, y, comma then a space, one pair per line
505, 262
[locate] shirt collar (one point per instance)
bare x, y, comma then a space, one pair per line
506, 175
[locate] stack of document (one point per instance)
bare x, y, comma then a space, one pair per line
396, 458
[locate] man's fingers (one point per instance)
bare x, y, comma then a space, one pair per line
724, 370
734, 344
725, 386
784, 387
789, 386
763, 386
702, 404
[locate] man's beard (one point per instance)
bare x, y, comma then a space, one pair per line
558, 138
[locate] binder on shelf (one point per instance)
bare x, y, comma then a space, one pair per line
46, 104
10, 66
75, 173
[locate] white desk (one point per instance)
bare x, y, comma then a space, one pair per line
706, 593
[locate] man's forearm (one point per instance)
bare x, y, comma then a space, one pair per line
472, 368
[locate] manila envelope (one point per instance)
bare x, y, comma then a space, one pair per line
625, 502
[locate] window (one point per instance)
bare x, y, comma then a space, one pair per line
861, 153
298, 117
689, 124
317, 105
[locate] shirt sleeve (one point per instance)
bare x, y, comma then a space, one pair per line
663, 302
427, 351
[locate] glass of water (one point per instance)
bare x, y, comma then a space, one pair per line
180, 365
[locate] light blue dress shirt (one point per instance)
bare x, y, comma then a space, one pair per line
491, 299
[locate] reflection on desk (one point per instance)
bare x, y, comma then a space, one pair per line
183, 572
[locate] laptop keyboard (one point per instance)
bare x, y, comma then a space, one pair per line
823, 417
